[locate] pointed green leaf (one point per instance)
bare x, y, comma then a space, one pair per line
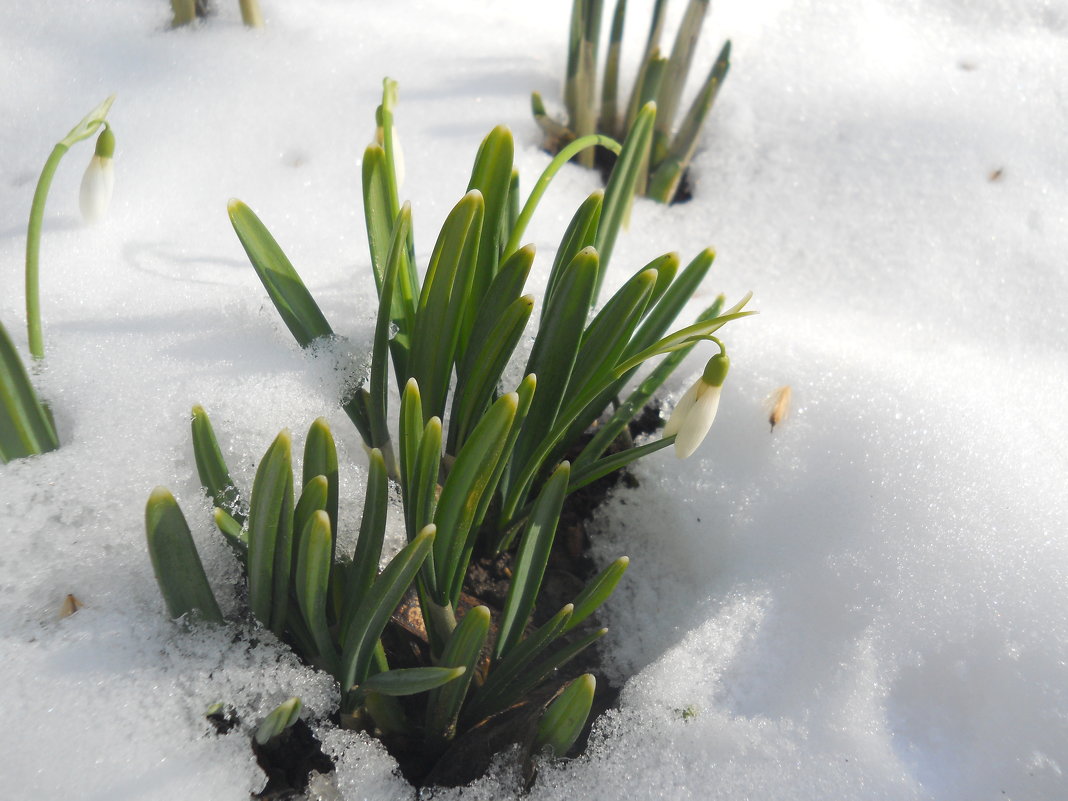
294, 302
468, 479
373, 613
175, 560
609, 121
531, 560
463, 650
564, 719
312, 582
620, 190
320, 459
270, 535
678, 67
596, 592
581, 233
410, 681
25, 426
364, 567
236, 537
211, 467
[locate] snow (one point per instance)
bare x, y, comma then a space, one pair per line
869, 602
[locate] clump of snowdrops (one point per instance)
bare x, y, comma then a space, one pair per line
660, 78
480, 467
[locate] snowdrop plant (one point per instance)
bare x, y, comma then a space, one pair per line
98, 183
481, 468
660, 78
187, 11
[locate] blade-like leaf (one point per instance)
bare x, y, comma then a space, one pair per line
373, 613
620, 190
364, 567
270, 535
475, 392
312, 581
610, 88
25, 426
211, 467
410, 681
564, 719
678, 68
468, 479
294, 302
175, 560
463, 650
581, 233
320, 459
505, 672
531, 560
442, 302
596, 592
235, 536
313, 498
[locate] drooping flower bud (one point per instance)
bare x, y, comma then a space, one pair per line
99, 179
697, 408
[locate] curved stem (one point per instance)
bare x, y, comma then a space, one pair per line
33, 252
561, 158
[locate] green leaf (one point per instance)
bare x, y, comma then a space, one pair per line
475, 391
236, 537
280, 719
442, 302
463, 651
596, 592
492, 177
581, 233
26, 428
312, 499
617, 461
320, 459
463, 489
525, 390
410, 433
563, 720
312, 582
410, 681
368, 552
90, 124
505, 672
531, 560
378, 406
579, 87
425, 486
175, 560
373, 613
552, 359
294, 302
621, 186
270, 535
533, 675
211, 467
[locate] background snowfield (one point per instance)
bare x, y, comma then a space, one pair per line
871, 602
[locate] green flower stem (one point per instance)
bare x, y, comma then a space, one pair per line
561, 158
33, 251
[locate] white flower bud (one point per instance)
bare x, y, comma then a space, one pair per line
97, 185
99, 179
695, 411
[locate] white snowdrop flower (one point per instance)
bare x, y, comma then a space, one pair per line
697, 408
99, 179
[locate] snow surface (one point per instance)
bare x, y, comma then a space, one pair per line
868, 603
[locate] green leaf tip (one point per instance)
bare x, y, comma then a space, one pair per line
280, 718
